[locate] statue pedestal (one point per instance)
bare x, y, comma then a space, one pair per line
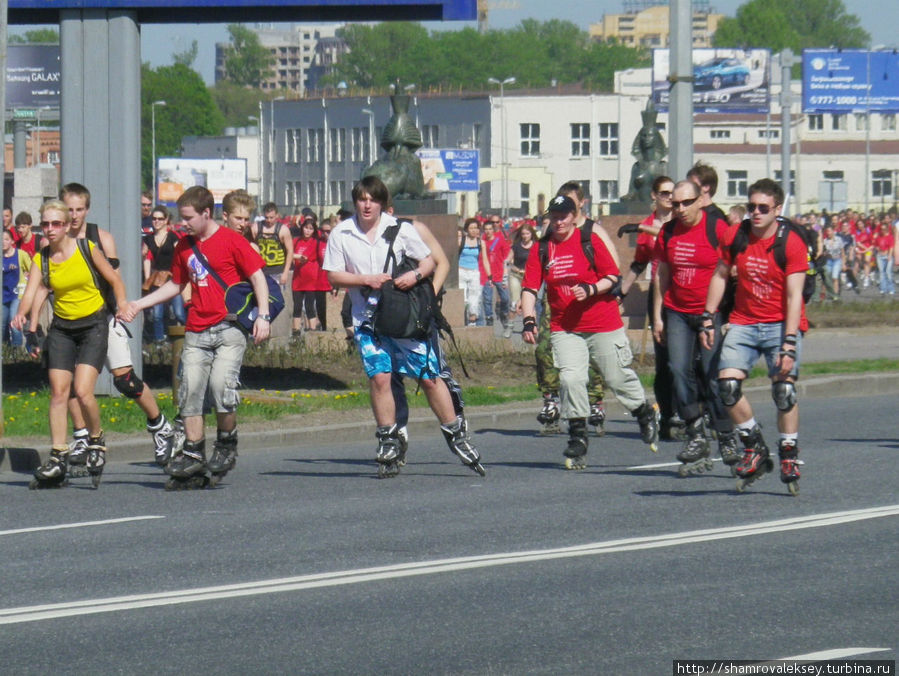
620, 208
410, 208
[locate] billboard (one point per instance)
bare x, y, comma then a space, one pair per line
849, 80
450, 170
32, 76
724, 80
177, 174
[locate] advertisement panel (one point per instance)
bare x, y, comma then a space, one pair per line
177, 174
32, 76
849, 80
450, 170
724, 80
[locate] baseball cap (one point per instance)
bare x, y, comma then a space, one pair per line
562, 204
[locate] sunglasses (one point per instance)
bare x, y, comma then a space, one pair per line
763, 209
52, 224
158, 218
683, 203
495, 222
146, 205
665, 193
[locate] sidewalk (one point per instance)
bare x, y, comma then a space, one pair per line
820, 345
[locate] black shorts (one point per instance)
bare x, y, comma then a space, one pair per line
77, 341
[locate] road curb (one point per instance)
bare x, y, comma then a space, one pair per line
520, 415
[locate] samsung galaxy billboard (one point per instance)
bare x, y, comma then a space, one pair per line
32, 76
724, 80
850, 80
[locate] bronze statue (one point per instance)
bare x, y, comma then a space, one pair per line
401, 169
649, 148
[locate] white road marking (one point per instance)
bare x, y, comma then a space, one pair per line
836, 654
320, 580
82, 524
665, 464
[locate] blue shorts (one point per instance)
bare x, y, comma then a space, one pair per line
744, 344
414, 358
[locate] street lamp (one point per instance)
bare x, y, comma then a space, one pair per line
153, 147
371, 134
255, 118
270, 146
502, 118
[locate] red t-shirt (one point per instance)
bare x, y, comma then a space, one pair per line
646, 245
692, 260
884, 244
28, 247
567, 266
497, 252
306, 275
233, 259
761, 296
863, 242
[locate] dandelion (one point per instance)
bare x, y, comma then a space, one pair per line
112, 420
491, 387
12, 419
116, 404
293, 395
32, 394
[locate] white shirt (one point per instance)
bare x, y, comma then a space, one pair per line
349, 250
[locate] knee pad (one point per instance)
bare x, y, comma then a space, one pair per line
784, 395
730, 390
129, 384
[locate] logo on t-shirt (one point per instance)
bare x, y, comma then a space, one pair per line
198, 273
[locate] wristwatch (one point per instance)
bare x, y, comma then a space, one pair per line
417, 276
267, 318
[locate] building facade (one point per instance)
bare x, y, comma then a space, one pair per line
646, 24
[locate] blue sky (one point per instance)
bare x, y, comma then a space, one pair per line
158, 42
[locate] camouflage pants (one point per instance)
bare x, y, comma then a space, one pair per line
547, 373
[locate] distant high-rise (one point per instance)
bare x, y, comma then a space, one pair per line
645, 23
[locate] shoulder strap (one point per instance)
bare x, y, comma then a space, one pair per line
92, 232
668, 231
205, 263
711, 230
741, 238
587, 243
390, 236
45, 265
85, 248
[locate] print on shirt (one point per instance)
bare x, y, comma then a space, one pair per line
198, 274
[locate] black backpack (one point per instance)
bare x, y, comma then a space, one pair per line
403, 313
785, 227
586, 244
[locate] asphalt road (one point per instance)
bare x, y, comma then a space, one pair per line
303, 562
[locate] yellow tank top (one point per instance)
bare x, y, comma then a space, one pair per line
74, 293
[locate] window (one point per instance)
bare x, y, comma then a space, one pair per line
861, 121
580, 140
737, 183
833, 175
526, 197
608, 139
838, 122
338, 145
778, 176
53, 157
310, 193
319, 192
336, 196
315, 139
882, 183
816, 123
429, 136
888, 121
608, 191
530, 139
720, 133
360, 144
476, 136
769, 133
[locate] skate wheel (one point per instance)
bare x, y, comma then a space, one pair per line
479, 468
575, 463
654, 447
33, 485
741, 485
733, 470
709, 465
683, 470
793, 487
95, 480
387, 470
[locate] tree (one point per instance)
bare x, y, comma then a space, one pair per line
190, 111
37, 36
247, 62
793, 24
188, 56
237, 103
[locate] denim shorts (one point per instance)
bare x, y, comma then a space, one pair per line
744, 344
212, 359
380, 354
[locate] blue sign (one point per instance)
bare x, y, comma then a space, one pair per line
32, 76
446, 10
450, 170
845, 81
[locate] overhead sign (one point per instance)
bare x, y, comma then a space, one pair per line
167, 11
855, 80
450, 170
724, 80
32, 76
177, 174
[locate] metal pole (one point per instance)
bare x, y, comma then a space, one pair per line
153, 150
786, 64
866, 183
371, 134
327, 156
504, 171
260, 141
768, 127
3, 8
680, 110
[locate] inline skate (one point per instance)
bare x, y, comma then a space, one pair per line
696, 450
459, 443
576, 452
549, 415
756, 461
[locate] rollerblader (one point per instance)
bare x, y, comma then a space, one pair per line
52, 474
360, 252
585, 324
549, 415
771, 260
77, 339
212, 259
687, 257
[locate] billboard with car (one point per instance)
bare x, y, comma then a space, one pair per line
724, 80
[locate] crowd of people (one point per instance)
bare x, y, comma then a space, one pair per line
725, 290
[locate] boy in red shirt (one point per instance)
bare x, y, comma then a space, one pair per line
498, 249
767, 320
585, 327
213, 345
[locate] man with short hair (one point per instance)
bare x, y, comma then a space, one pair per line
356, 258
275, 244
686, 253
28, 242
706, 179
497, 247
586, 326
768, 320
213, 345
146, 208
